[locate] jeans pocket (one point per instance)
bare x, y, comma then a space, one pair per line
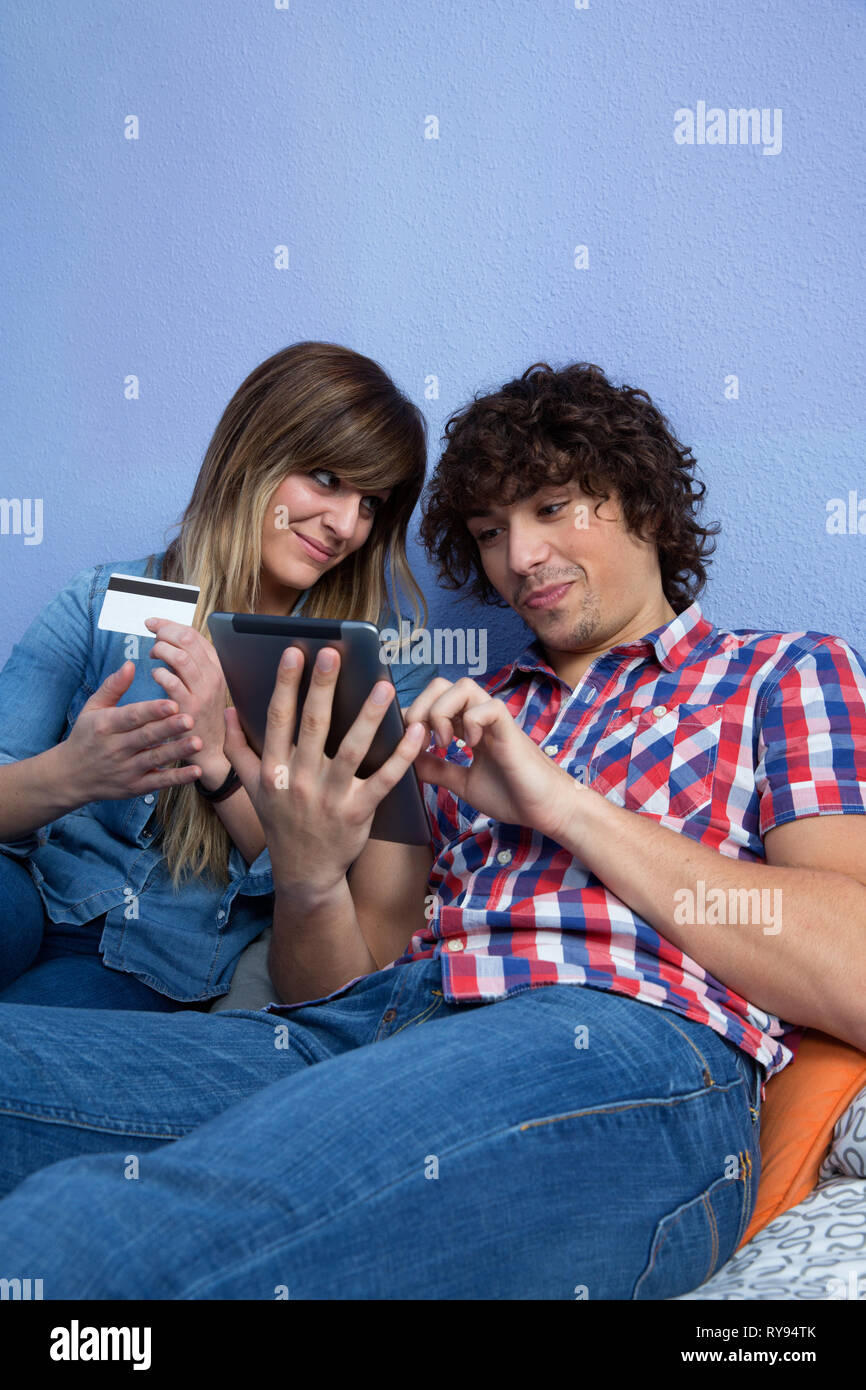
695, 1239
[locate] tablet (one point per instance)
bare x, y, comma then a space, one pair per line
249, 646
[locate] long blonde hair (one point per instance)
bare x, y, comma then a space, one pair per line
310, 406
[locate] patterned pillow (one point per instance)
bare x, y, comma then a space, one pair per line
847, 1155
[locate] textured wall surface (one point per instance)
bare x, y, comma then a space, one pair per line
308, 125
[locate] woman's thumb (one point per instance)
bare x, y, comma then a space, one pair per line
115, 683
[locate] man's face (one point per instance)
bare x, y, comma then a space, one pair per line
577, 577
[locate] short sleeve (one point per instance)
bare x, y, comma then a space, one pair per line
812, 749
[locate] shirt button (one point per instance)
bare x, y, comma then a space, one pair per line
149, 798
455, 945
504, 856
551, 749
220, 915
659, 710
461, 742
389, 1015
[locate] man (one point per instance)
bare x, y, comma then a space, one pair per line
648, 853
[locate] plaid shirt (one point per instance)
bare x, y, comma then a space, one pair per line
718, 735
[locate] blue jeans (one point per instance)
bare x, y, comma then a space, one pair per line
382, 1145
23, 920
45, 962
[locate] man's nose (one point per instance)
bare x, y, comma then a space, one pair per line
342, 517
528, 547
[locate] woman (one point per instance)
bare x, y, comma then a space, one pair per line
143, 889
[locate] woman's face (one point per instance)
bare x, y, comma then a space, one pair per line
314, 520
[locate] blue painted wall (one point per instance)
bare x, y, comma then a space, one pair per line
306, 123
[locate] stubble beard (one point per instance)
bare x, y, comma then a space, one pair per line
582, 630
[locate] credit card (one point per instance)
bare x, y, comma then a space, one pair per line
129, 600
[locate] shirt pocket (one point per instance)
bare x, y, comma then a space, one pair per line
659, 759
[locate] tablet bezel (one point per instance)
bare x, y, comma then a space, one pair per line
249, 647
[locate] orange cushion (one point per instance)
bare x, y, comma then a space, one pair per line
801, 1106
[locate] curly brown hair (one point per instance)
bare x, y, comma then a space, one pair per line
550, 427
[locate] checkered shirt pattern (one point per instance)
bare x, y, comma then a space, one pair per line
718, 735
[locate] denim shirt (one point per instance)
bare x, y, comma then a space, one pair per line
101, 858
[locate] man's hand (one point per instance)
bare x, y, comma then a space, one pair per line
316, 814
509, 778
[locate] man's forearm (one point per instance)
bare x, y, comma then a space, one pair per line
805, 962
316, 944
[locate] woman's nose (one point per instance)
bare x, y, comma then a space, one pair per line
343, 519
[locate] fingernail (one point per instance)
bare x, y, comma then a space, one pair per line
326, 660
290, 657
382, 694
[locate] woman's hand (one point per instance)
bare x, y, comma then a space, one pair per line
114, 752
509, 779
196, 684
316, 814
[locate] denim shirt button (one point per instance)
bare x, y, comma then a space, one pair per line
220, 915
149, 798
